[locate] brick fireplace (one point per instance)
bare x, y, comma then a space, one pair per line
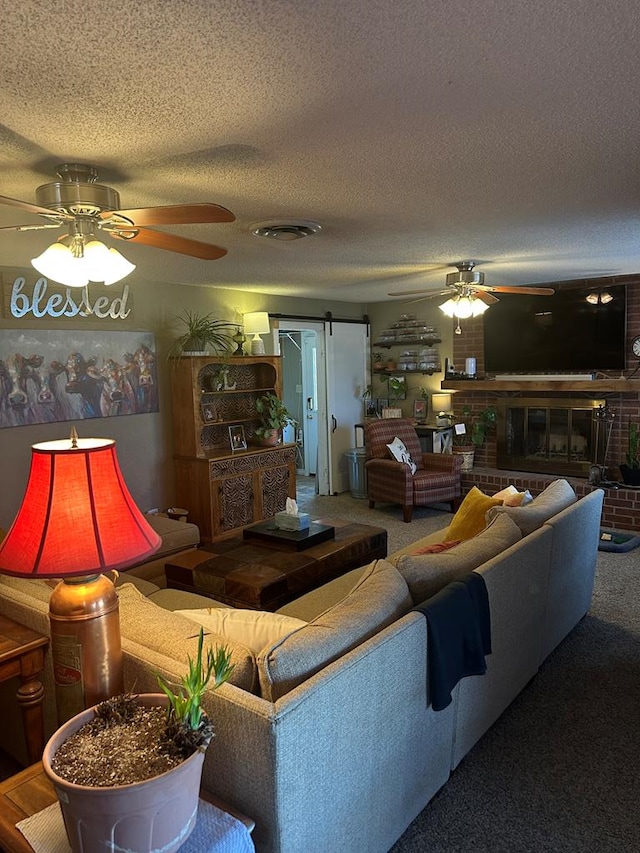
490, 473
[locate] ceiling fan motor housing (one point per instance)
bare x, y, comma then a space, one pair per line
77, 199
465, 275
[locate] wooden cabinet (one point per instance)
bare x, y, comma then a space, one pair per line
226, 490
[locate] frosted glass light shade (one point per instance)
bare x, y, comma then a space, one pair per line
97, 263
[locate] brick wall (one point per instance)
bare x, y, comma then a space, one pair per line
626, 406
621, 509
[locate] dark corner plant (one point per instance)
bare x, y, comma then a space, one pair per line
633, 445
478, 426
202, 331
273, 414
187, 723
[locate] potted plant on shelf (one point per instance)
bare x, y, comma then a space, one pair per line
274, 417
202, 332
630, 468
127, 771
378, 361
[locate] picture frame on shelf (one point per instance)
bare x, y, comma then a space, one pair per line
208, 413
420, 410
237, 438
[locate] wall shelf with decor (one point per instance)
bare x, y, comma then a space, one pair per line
226, 488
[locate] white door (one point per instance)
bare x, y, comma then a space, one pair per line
310, 401
347, 363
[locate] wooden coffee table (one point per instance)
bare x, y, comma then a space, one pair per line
264, 575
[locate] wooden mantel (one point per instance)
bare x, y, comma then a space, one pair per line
599, 386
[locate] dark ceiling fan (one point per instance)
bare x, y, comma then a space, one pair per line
85, 208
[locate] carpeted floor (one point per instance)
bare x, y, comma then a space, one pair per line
560, 770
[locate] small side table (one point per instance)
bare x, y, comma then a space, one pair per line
22, 654
30, 791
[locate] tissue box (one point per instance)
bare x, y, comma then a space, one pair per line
285, 521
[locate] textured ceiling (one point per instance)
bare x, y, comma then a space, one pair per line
417, 133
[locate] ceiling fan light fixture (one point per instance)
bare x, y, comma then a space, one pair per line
602, 297
448, 308
58, 263
82, 262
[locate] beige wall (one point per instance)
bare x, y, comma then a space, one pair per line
382, 316
144, 442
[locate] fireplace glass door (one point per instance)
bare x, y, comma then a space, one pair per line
549, 436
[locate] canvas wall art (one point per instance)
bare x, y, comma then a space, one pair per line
48, 376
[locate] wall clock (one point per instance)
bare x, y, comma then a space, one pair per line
635, 346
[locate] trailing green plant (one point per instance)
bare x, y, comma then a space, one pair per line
185, 712
397, 387
633, 446
202, 332
478, 425
273, 414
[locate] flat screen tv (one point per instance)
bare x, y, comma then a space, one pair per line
563, 332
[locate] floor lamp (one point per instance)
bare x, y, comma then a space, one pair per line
77, 520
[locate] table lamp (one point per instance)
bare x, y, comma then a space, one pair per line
77, 520
441, 404
256, 323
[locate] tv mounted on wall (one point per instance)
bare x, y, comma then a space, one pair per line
556, 333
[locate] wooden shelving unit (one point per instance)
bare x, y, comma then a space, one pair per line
225, 490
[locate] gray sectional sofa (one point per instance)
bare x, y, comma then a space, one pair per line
327, 737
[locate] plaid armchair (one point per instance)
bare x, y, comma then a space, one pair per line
436, 480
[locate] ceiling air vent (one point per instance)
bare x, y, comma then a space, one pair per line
285, 231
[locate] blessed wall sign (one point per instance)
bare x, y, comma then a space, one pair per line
42, 298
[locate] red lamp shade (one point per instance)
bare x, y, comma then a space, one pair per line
77, 516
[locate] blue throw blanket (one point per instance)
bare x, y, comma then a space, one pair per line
458, 635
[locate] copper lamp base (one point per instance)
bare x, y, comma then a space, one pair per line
85, 643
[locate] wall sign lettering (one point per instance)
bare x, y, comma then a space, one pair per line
72, 302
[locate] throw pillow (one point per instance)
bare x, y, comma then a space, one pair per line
510, 496
379, 598
172, 635
427, 574
557, 496
253, 628
470, 519
400, 453
437, 547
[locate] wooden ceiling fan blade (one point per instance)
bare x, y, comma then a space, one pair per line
533, 291
32, 208
422, 292
173, 214
487, 298
172, 243
31, 227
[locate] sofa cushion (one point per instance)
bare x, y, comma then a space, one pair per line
436, 547
470, 519
426, 574
39, 589
379, 598
557, 496
175, 535
177, 637
253, 628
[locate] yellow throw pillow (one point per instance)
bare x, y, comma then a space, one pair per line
470, 520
